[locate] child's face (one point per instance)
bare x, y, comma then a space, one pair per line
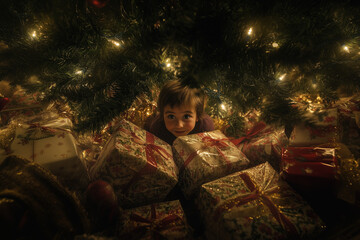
180, 120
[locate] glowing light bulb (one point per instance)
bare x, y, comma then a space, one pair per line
33, 34
116, 43
282, 77
78, 72
275, 45
250, 31
346, 49
314, 85
223, 107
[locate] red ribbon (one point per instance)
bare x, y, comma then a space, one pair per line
250, 134
150, 149
153, 224
209, 142
256, 194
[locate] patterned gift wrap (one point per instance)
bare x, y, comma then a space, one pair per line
204, 157
20, 104
138, 165
51, 145
310, 166
256, 204
164, 220
263, 143
325, 129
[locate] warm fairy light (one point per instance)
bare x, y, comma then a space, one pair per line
275, 45
223, 107
314, 85
78, 72
116, 43
33, 34
346, 49
167, 62
250, 31
282, 77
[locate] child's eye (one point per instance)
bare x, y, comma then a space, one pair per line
187, 116
170, 116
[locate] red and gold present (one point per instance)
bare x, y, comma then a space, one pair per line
204, 157
164, 220
256, 204
325, 128
138, 165
263, 143
309, 166
20, 104
50, 143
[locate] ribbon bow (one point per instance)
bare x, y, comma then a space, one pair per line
150, 149
250, 134
209, 142
256, 193
153, 224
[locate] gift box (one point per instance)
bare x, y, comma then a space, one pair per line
309, 166
322, 128
204, 157
138, 165
50, 144
256, 204
263, 143
20, 104
164, 220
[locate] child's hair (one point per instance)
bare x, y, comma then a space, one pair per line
174, 93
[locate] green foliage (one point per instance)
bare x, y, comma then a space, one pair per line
65, 49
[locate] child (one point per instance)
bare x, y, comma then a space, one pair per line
181, 112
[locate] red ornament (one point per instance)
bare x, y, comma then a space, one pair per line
99, 3
3, 102
102, 201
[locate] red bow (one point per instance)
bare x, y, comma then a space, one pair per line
251, 133
256, 194
209, 142
150, 148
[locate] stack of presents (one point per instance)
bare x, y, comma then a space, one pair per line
238, 188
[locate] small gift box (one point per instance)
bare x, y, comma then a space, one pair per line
255, 204
309, 166
263, 143
164, 220
324, 129
50, 144
138, 165
204, 157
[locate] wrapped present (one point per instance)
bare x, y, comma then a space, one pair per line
204, 157
324, 129
309, 166
138, 165
256, 204
50, 144
164, 220
348, 173
263, 143
20, 103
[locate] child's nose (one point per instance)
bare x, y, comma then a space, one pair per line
179, 123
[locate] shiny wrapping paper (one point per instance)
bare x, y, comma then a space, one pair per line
325, 129
164, 220
263, 143
138, 165
301, 163
256, 204
50, 143
204, 157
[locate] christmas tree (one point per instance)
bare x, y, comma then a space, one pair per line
98, 56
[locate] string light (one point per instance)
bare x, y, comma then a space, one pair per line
282, 77
223, 107
167, 61
346, 49
78, 72
275, 45
250, 31
116, 43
